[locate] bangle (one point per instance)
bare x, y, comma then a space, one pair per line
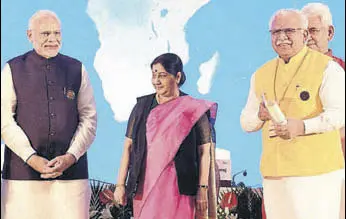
203, 186
119, 185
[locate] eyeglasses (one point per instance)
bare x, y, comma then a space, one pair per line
313, 30
287, 31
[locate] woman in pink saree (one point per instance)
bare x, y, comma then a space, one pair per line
168, 159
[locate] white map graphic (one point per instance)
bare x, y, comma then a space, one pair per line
132, 34
207, 71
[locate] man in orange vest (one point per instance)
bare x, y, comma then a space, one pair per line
321, 29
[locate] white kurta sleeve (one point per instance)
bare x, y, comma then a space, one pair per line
332, 94
86, 130
11, 133
249, 116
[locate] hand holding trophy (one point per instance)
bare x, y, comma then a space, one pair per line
276, 115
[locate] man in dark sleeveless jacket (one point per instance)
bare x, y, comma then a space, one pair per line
48, 121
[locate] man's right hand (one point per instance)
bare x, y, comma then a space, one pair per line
39, 164
263, 113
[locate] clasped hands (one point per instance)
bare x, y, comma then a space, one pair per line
51, 169
290, 130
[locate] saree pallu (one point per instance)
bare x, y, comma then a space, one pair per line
167, 126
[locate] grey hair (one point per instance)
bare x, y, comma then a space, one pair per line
304, 20
318, 9
39, 14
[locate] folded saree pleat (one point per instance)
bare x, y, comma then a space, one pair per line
167, 126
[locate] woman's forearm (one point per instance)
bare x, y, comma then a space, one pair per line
204, 156
124, 164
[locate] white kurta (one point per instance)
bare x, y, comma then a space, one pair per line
28, 199
310, 197
56, 199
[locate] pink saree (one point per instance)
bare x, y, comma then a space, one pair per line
167, 126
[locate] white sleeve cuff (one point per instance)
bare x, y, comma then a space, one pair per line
75, 153
250, 122
26, 154
312, 125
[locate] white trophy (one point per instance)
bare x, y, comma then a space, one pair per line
275, 112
